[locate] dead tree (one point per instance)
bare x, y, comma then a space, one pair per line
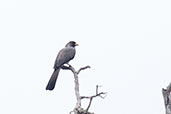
78, 109
167, 98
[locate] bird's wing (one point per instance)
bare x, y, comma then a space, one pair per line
64, 56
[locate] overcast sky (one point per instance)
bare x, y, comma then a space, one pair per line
127, 43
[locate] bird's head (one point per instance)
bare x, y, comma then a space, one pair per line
71, 44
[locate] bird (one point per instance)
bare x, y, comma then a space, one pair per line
64, 56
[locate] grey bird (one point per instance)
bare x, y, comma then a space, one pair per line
64, 56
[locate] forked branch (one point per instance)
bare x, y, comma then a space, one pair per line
93, 96
78, 109
77, 93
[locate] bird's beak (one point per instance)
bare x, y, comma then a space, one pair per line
76, 44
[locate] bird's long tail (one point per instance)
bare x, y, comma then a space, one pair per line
52, 81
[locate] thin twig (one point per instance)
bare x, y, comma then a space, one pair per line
89, 104
83, 68
97, 89
71, 112
97, 95
93, 96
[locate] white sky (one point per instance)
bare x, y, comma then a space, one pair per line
126, 42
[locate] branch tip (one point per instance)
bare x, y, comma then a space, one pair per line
83, 68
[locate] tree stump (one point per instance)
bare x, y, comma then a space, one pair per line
167, 98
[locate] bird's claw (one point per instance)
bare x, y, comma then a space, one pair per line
69, 65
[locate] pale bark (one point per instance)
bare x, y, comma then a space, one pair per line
167, 98
78, 109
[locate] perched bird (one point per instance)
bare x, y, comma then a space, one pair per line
63, 57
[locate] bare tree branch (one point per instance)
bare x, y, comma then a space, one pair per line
65, 67
83, 68
78, 109
71, 112
91, 97
97, 89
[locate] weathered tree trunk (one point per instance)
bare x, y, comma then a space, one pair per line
77, 92
78, 109
167, 98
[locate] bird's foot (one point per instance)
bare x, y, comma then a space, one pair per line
69, 65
